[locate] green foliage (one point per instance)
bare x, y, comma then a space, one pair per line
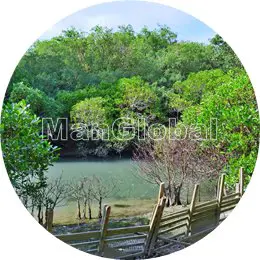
224, 56
68, 99
137, 99
76, 59
186, 57
200, 84
90, 111
39, 102
176, 102
159, 38
26, 154
104, 75
234, 106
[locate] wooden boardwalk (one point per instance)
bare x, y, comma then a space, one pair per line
165, 233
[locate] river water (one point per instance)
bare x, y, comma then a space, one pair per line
134, 197
123, 170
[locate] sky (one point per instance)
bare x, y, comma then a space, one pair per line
138, 14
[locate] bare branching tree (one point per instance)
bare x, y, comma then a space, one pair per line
75, 193
175, 162
87, 194
55, 194
102, 189
87, 189
37, 201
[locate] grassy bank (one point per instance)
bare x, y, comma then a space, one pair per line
119, 209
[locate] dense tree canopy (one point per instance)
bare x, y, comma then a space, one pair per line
76, 59
103, 75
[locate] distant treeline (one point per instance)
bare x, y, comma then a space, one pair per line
60, 72
104, 75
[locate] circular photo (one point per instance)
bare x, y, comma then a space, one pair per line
130, 130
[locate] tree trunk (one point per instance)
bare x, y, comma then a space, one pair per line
100, 208
46, 216
49, 218
85, 209
168, 202
187, 196
89, 210
46, 208
40, 215
32, 210
79, 213
177, 196
25, 201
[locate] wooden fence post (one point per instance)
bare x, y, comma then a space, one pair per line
154, 226
221, 188
161, 192
219, 180
191, 209
220, 196
187, 195
237, 190
237, 187
241, 181
160, 195
105, 220
49, 219
155, 220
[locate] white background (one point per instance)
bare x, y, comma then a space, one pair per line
22, 22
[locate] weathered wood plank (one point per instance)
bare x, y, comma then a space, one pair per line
237, 188
109, 240
205, 208
92, 250
230, 196
105, 220
154, 226
204, 215
79, 236
220, 196
172, 228
89, 243
161, 192
177, 214
173, 222
204, 204
241, 181
230, 202
128, 245
127, 230
228, 208
192, 207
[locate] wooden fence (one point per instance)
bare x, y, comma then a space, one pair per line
165, 230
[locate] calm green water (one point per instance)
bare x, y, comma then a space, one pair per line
139, 195
123, 170
131, 186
